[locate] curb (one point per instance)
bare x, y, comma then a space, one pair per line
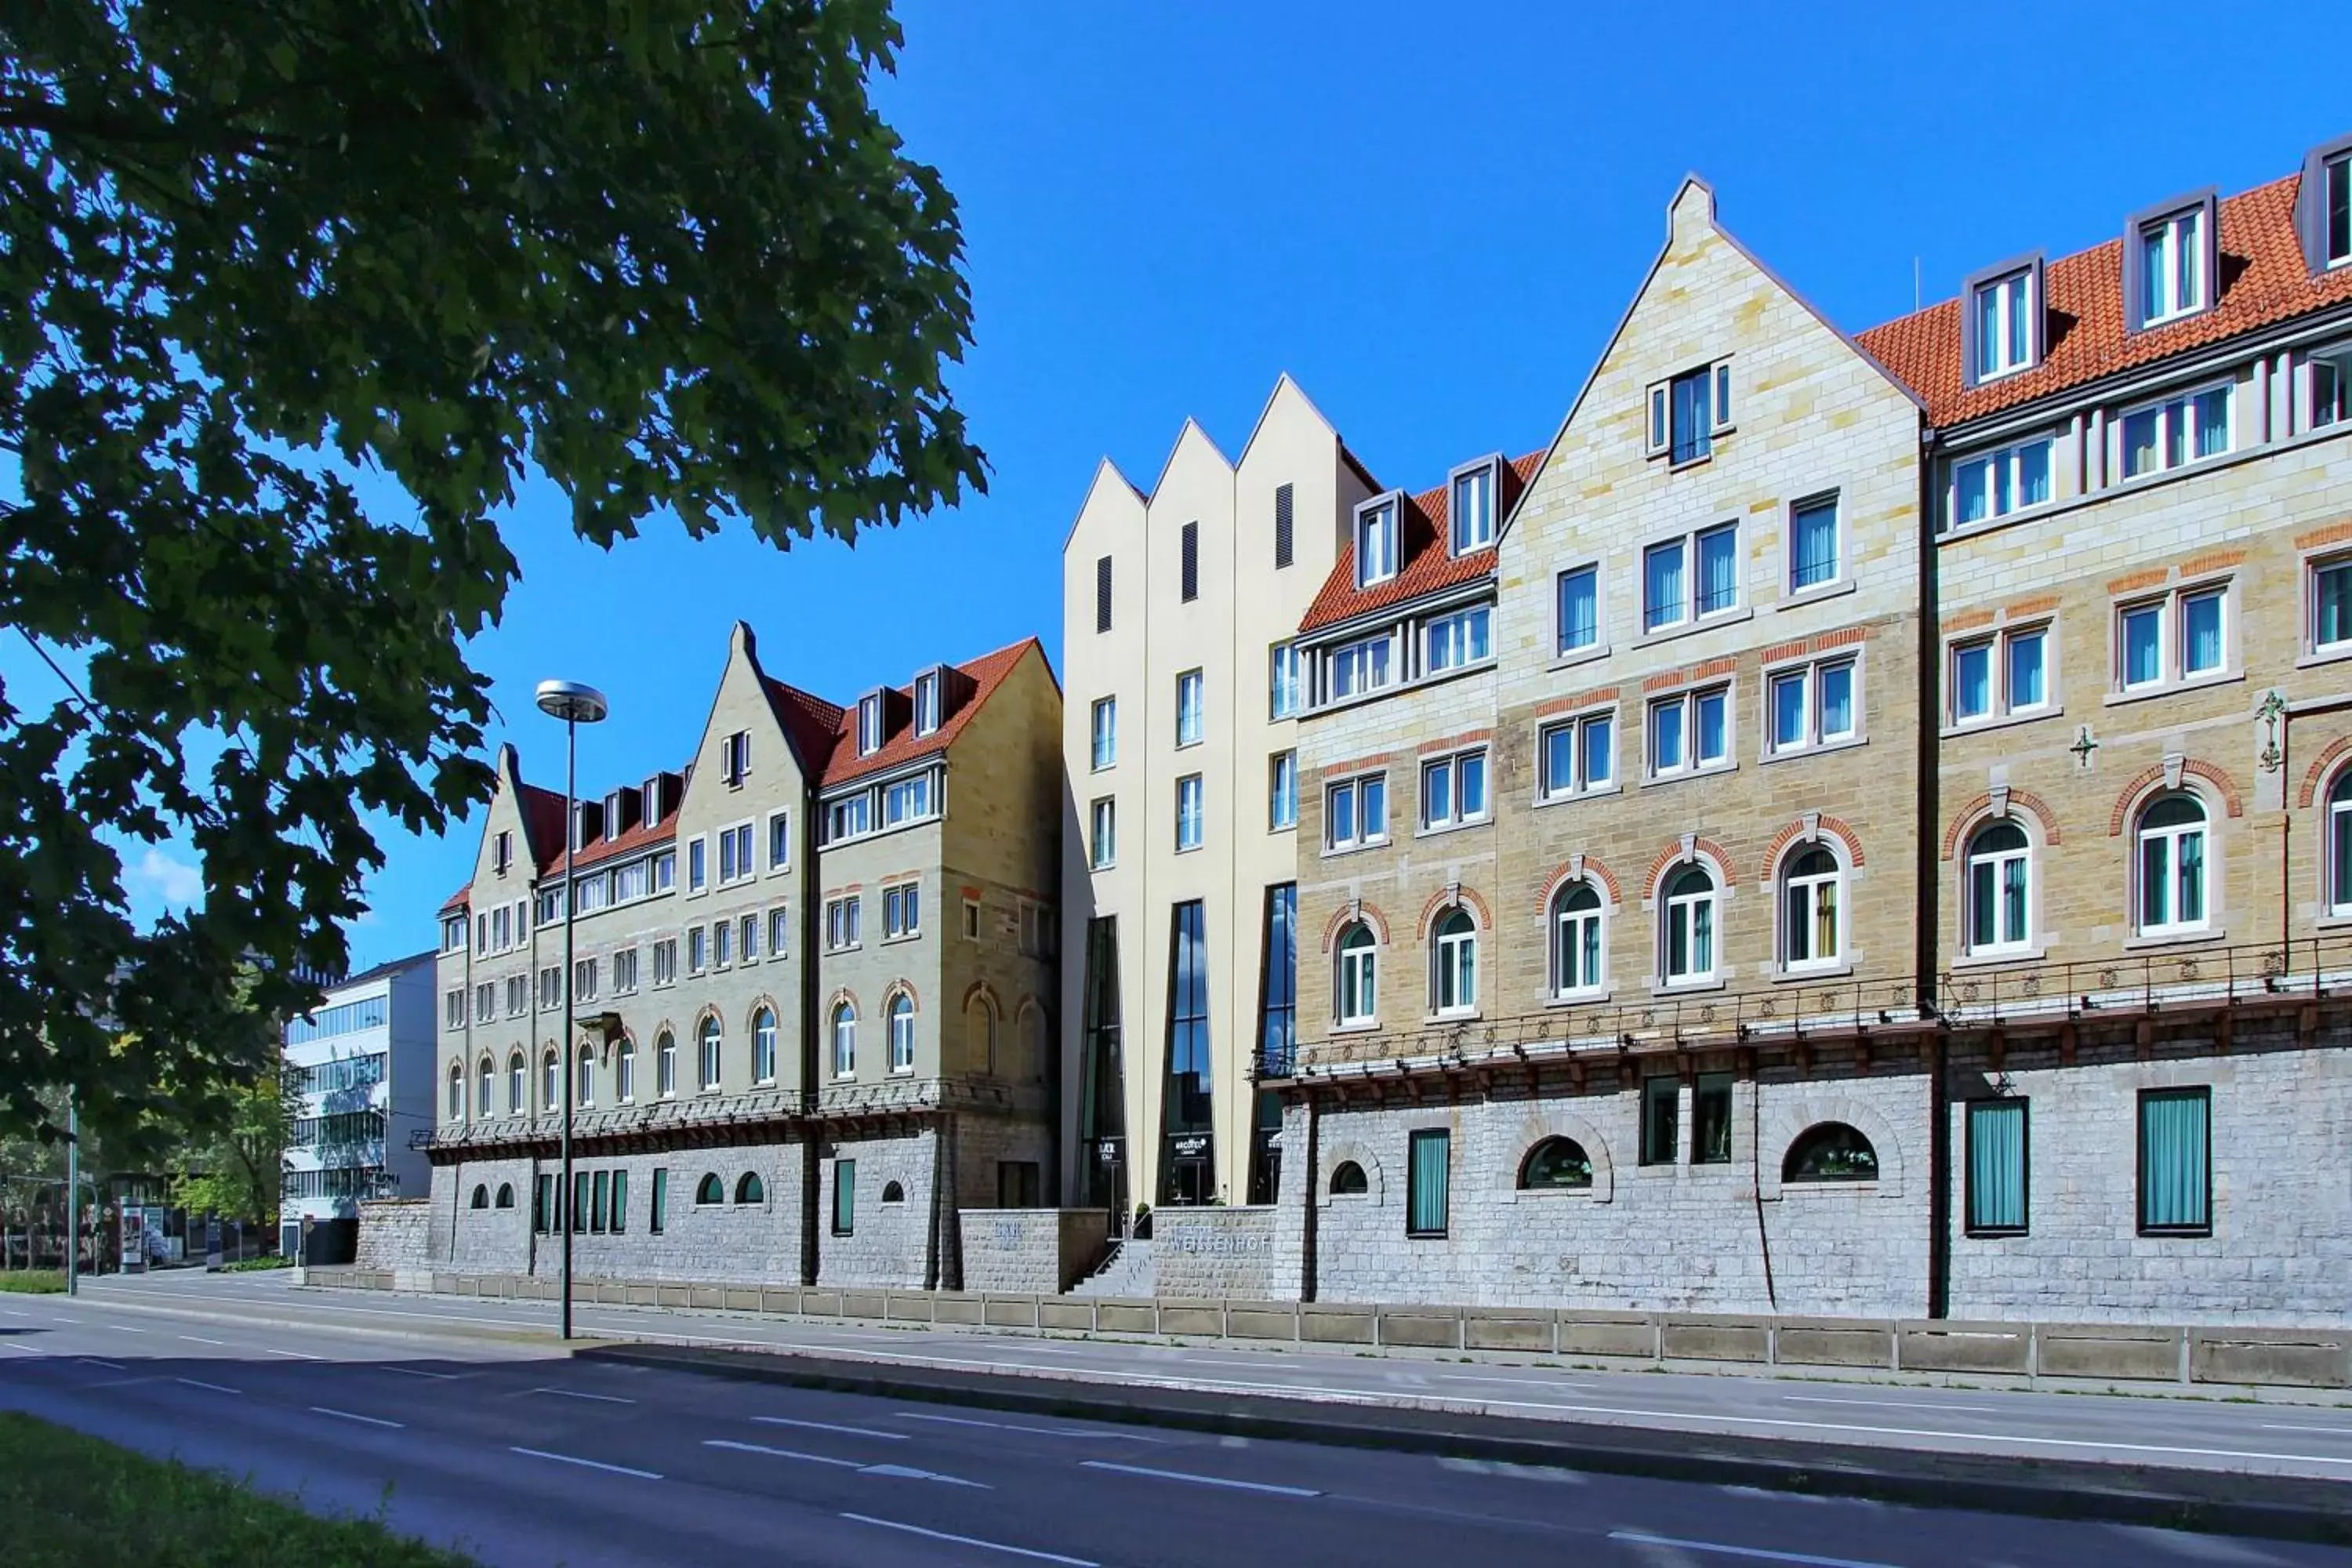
2280, 1507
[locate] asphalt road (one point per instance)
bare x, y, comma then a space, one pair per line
509, 1448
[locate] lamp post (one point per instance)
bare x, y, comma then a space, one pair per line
576, 704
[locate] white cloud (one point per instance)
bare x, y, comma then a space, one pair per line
174, 881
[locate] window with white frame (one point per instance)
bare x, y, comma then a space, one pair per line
550, 987
780, 931
1811, 705
1454, 789
665, 1064
1361, 667
1102, 843
1281, 792
634, 881
2330, 597
665, 870
1687, 411
1577, 610
1472, 505
1997, 894
735, 861
2330, 375
902, 1033
1105, 735
1284, 692
902, 911
453, 933
845, 1041
1691, 577
1454, 950
1577, 954
763, 1046
1687, 942
593, 892
1376, 542
780, 841
747, 939
1463, 637
1188, 709
2002, 675
2339, 845
1816, 549
841, 923
1577, 756
625, 972
927, 703
2180, 635
698, 865
2172, 866
708, 1055
518, 996
587, 1076
550, 1079
1356, 812
666, 961
1813, 930
2336, 214
1358, 992
852, 817
1994, 484
2186, 428
735, 758
869, 724
453, 1008
486, 1004
2172, 280
723, 943
908, 800
1690, 731
1187, 812
2004, 325
697, 950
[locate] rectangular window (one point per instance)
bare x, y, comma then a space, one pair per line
908, 800
600, 1199
583, 1211
698, 865
1473, 506
1282, 803
486, 1004
2183, 635
2331, 604
1661, 1119
1105, 732
735, 757
1996, 1158
735, 861
1356, 812
852, 817
542, 1205
1102, 593
1189, 551
2004, 322
1102, 848
2002, 676
780, 841
1690, 405
841, 923
1578, 610
869, 724
1361, 667
845, 1197
1464, 637
1691, 577
780, 931
666, 871
902, 911
453, 1008
2331, 397
1711, 1120
1812, 705
1578, 755
453, 932
1814, 553
1187, 812
1428, 1155
1283, 508
1376, 544
722, 944
927, 703
2336, 222
2179, 431
1017, 1184
1690, 731
658, 1215
747, 939
1188, 709
1995, 484
2172, 267
697, 950
624, 970
618, 1211
1453, 790
1284, 690
2176, 1162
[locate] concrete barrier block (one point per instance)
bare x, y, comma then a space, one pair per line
641, 1296
1717, 1338
676, 1296
1120, 1317
741, 1300
1337, 1325
1260, 1320
1071, 1314
1010, 1312
1992, 1347
908, 1307
1199, 1318
2285, 1358
959, 1309
780, 1300
2108, 1350
709, 1298
1866, 1345
1633, 1335
865, 1304
1507, 1328
820, 1303
1422, 1330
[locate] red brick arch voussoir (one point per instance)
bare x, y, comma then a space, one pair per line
2191, 768
1347, 911
2025, 799
1445, 898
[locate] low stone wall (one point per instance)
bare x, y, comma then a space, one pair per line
1217, 1253
1036, 1251
395, 1235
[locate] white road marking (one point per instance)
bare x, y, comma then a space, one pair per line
350, 1416
1016, 1427
125, 1328
2331, 1431
1201, 1480
109, 1366
587, 1464
567, 1393
420, 1372
12, 1312
973, 1541
1262, 1365
1891, 1403
1528, 1382
21, 1349
208, 1387
200, 1340
291, 1355
908, 1473
77, 1321
1717, 1549
829, 1426
896, 1472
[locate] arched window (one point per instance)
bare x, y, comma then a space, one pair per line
1576, 950
587, 1100
481, 1199
892, 1193
763, 1046
709, 1065
979, 1034
485, 1086
1555, 1163
2339, 845
1689, 935
1348, 1180
506, 1195
1358, 976
1813, 926
518, 1083
2172, 865
624, 1072
456, 1092
749, 1190
550, 1080
902, 1033
1831, 1152
845, 1041
1456, 953
1999, 891
665, 1064
709, 1189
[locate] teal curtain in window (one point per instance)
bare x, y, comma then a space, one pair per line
1430, 1154
620, 1201
1996, 1165
845, 1197
2173, 1160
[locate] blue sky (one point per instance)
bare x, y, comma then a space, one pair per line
1431, 217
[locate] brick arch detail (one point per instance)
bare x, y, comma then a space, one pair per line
2191, 768
1347, 911
980, 990
901, 988
841, 993
1833, 827
1562, 874
2321, 766
701, 1014
1445, 898
771, 1003
1966, 818
1672, 855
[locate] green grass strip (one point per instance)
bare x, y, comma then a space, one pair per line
32, 1282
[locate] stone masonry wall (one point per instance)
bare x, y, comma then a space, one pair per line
1043, 1251
394, 1233
1219, 1253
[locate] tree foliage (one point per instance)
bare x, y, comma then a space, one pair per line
239, 1170
665, 253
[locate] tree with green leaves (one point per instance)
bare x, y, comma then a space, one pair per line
238, 1171
665, 253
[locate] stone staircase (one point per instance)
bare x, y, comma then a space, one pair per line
1126, 1270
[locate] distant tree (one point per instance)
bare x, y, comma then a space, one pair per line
665, 253
237, 1171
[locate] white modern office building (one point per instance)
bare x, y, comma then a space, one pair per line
363, 1068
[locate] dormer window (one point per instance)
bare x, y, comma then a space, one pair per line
1376, 542
1472, 508
735, 758
927, 703
869, 724
649, 800
2004, 312
501, 851
2168, 262
2336, 211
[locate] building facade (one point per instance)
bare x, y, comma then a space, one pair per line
813, 978
362, 1068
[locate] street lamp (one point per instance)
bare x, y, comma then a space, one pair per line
576, 704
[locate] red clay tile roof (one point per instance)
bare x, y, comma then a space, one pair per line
812, 723
1429, 564
2264, 280
902, 744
